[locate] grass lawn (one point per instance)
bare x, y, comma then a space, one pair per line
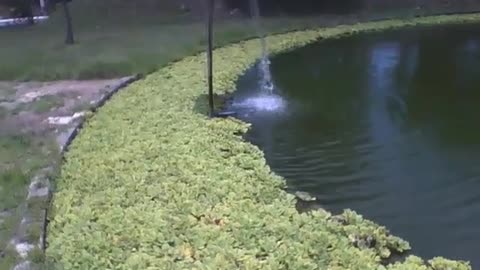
20, 156
114, 40
117, 44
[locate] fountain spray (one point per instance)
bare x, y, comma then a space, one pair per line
266, 84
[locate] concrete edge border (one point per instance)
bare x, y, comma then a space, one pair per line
30, 239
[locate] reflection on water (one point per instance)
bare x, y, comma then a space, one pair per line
385, 124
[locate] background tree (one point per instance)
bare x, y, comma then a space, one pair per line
20, 8
69, 36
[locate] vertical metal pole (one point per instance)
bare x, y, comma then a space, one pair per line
211, 5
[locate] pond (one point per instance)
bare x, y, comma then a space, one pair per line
386, 124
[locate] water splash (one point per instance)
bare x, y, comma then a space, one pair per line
266, 83
262, 102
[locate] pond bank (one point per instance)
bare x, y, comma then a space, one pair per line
381, 119
152, 182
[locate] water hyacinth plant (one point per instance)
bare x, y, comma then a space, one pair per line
152, 183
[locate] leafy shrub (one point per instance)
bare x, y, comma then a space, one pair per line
151, 183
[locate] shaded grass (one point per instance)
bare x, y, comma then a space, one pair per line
21, 151
12, 188
3, 112
113, 43
42, 105
14, 177
103, 53
37, 256
46, 103
7, 92
20, 157
34, 232
114, 40
8, 257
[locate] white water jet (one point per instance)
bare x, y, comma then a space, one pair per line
262, 102
266, 100
266, 84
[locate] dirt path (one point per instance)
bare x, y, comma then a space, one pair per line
32, 107
37, 120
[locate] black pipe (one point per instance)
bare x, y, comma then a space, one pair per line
211, 5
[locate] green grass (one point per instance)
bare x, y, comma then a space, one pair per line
23, 151
38, 53
37, 256
20, 157
8, 258
113, 40
41, 105
13, 182
116, 38
46, 103
12, 188
7, 92
14, 178
34, 232
3, 112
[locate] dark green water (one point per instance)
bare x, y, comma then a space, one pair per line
385, 124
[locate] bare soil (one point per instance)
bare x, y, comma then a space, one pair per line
27, 107
33, 116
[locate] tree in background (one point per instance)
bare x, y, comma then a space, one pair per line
298, 7
20, 8
69, 37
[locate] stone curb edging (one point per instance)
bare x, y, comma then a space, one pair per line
65, 138
30, 240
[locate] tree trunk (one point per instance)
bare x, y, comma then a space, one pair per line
43, 7
26, 10
69, 39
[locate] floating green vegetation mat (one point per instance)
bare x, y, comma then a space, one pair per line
152, 183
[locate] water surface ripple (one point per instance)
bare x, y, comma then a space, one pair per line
385, 124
